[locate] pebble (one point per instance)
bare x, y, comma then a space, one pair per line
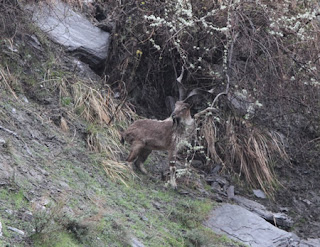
9, 211
230, 192
259, 194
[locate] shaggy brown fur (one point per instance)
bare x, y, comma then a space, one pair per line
147, 135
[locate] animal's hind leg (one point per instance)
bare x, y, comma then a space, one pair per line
136, 148
143, 155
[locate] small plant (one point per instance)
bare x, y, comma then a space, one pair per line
66, 101
45, 217
117, 171
244, 148
190, 213
97, 108
8, 81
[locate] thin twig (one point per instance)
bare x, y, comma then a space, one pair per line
7, 84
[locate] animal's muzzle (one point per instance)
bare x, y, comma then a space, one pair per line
176, 119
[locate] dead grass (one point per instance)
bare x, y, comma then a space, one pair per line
244, 149
94, 107
74, 3
7, 80
104, 116
64, 125
104, 140
117, 171
102, 113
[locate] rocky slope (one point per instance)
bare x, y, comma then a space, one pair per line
62, 179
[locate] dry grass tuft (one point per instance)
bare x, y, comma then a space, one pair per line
104, 141
245, 149
94, 107
64, 125
102, 137
117, 171
76, 3
7, 81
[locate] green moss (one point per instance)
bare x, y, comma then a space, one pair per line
189, 212
19, 199
66, 101
203, 236
55, 239
16, 198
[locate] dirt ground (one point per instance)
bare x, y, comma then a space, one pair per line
300, 198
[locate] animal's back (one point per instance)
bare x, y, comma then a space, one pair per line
154, 134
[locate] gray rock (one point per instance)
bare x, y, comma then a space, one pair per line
72, 30
216, 169
310, 243
40, 204
15, 230
136, 243
259, 194
247, 227
0, 229
9, 211
216, 187
216, 178
2, 141
307, 202
279, 219
27, 216
144, 218
6, 172
230, 192
33, 41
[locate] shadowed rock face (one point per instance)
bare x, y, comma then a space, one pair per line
73, 31
247, 227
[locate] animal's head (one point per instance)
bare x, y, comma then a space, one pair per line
181, 112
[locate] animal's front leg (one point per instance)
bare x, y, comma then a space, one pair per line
173, 174
172, 167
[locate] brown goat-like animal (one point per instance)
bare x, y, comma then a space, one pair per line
146, 135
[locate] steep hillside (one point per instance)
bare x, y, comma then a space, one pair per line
62, 182
252, 70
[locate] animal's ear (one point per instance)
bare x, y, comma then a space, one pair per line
170, 103
187, 105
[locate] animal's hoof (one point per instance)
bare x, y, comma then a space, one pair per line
130, 165
143, 170
172, 184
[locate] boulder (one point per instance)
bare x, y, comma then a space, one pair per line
136, 243
244, 226
278, 219
72, 30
